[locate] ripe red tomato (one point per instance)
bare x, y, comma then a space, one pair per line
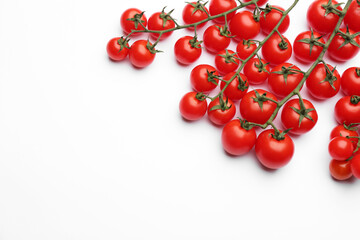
117, 49
322, 84
237, 88
256, 70
305, 47
347, 110
226, 61
259, 3
355, 166
220, 6
283, 79
245, 48
273, 153
345, 131
160, 21
194, 12
277, 51
318, 19
340, 170
340, 52
271, 17
216, 38
340, 148
140, 54
193, 106
244, 26
254, 106
187, 50
221, 112
352, 17
236, 139
127, 25
203, 78
300, 119
350, 81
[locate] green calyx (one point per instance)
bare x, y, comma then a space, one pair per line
330, 77
242, 86
245, 124
312, 41
211, 77
351, 126
224, 31
348, 38
195, 43
223, 106
332, 8
303, 112
248, 43
357, 71
280, 135
355, 99
229, 58
260, 99
151, 48
286, 71
198, 6
261, 66
123, 42
266, 10
200, 96
137, 19
166, 16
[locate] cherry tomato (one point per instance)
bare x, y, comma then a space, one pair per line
300, 119
350, 81
305, 47
271, 152
237, 88
340, 52
254, 106
244, 26
345, 131
216, 38
193, 106
187, 50
284, 78
117, 49
140, 54
272, 17
259, 3
340, 170
276, 50
318, 19
127, 25
236, 139
226, 61
352, 17
221, 112
347, 110
355, 166
322, 84
245, 48
194, 12
203, 78
256, 70
220, 6
160, 21
340, 148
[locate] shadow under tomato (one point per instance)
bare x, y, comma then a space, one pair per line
351, 180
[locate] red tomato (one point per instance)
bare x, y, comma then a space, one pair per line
127, 25
236, 139
300, 119
276, 51
187, 50
273, 153
194, 12
237, 88
193, 106
271, 17
322, 84
140, 54
345, 131
318, 19
340, 170
221, 112
355, 166
160, 21
340, 148
254, 106
352, 17
203, 78
245, 48
259, 3
243, 26
220, 6
340, 52
216, 38
256, 70
305, 47
226, 61
347, 110
117, 48
350, 81
283, 79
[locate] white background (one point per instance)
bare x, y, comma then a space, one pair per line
92, 149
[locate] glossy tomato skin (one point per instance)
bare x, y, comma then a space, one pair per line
277, 83
322, 89
218, 116
343, 53
254, 75
355, 166
259, 3
236, 140
244, 50
318, 21
220, 6
199, 78
290, 118
271, 19
340, 130
273, 153
352, 17
184, 52
340, 148
346, 111
192, 108
340, 170
222, 65
128, 25
233, 90
139, 55
113, 50
273, 53
302, 50
251, 110
243, 26
190, 17
214, 41
350, 81
156, 23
